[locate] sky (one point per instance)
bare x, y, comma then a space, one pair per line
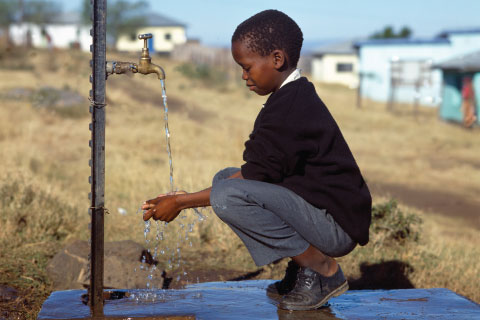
213, 21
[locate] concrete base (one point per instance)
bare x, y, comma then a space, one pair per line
247, 300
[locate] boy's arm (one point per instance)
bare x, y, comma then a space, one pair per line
167, 207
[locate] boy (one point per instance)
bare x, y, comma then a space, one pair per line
300, 193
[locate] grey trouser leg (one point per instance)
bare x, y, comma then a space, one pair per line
274, 222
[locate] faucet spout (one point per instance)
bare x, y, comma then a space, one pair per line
153, 68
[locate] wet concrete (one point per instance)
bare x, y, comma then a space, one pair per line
248, 300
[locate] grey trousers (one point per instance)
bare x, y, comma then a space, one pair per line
274, 222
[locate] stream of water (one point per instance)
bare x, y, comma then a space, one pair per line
171, 255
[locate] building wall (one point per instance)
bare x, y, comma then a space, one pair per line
161, 43
464, 43
375, 67
326, 69
62, 36
451, 107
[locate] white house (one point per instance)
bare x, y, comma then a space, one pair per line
336, 63
408, 59
167, 33
65, 31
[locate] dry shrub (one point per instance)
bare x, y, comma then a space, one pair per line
390, 225
30, 213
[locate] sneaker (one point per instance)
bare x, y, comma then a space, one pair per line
312, 290
285, 285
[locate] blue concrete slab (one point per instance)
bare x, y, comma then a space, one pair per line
247, 300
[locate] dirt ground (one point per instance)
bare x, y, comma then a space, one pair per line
427, 165
444, 203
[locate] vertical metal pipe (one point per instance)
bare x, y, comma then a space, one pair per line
98, 157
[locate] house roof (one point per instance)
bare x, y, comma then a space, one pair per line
158, 20
402, 41
446, 33
466, 63
346, 47
152, 20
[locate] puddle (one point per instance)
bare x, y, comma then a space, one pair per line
248, 300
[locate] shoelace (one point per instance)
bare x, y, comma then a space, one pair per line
304, 278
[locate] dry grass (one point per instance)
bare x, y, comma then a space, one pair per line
48, 153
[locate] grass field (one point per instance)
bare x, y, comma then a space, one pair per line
421, 161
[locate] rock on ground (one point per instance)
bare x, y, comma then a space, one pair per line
69, 268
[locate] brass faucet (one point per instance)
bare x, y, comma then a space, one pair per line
145, 65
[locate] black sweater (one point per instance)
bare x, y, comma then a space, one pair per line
297, 144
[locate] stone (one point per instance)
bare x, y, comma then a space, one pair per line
122, 260
7, 294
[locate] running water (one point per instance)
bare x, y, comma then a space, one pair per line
172, 254
167, 132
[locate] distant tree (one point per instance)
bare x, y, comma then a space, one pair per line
124, 17
40, 11
405, 32
8, 9
86, 12
389, 33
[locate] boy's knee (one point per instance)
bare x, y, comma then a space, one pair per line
224, 174
225, 198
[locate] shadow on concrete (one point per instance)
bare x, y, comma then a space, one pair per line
385, 275
248, 275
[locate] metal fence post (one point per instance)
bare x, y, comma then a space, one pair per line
97, 144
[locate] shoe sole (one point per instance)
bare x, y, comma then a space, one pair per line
335, 293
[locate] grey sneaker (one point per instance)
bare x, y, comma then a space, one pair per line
312, 290
285, 285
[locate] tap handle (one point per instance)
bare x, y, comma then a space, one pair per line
145, 38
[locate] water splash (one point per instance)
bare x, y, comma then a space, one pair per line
171, 255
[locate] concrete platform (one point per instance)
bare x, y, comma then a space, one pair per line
247, 300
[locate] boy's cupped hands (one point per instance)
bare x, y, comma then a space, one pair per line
164, 207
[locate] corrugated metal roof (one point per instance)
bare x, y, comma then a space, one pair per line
152, 20
346, 47
446, 33
158, 20
402, 41
466, 63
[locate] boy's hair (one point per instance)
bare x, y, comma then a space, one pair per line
271, 30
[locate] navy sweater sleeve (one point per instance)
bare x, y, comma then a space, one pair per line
297, 144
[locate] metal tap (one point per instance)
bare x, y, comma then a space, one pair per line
145, 65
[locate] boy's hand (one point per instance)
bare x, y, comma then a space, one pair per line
165, 207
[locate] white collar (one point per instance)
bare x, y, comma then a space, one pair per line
292, 77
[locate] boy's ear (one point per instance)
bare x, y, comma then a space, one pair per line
279, 59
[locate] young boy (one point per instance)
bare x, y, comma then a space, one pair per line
300, 193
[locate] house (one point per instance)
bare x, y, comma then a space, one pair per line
399, 68
66, 30
454, 71
167, 33
336, 63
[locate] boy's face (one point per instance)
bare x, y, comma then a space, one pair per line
261, 73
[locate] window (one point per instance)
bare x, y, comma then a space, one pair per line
344, 67
168, 36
